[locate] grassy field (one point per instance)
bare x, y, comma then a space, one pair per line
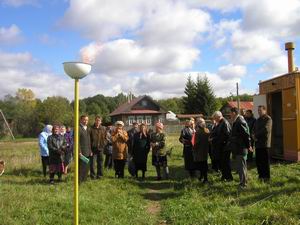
26, 198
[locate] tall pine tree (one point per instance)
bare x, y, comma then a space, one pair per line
189, 99
200, 97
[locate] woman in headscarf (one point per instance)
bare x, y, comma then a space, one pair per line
57, 146
141, 147
44, 151
200, 149
119, 148
159, 153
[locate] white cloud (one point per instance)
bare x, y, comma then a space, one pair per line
279, 18
10, 35
102, 20
173, 23
222, 5
165, 20
158, 36
221, 31
127, 56
252, 47
277, 65
231, 71
12, 60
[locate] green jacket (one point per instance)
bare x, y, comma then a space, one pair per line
159, 141
57, 145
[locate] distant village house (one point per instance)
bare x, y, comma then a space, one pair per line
141, 109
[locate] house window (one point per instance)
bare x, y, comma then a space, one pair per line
144, 103
140, 119
130, 120
160, 119
148, 120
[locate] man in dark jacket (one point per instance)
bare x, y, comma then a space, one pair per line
185, 138
98, 143
84, 147
219, 142
239, 144
131, 134
262, 137
250, 121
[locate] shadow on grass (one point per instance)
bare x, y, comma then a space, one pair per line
158, 196
41, 181
267, 196
25, 172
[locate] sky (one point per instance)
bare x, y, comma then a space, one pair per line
144, 47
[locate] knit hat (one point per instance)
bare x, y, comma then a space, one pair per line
119, 123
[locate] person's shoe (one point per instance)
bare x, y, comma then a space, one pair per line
158, 178
205, 181
229, 179
266, 180
51, 182
92, 177
98, 177
242, 186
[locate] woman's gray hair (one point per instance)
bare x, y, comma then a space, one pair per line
201, 122
217, 114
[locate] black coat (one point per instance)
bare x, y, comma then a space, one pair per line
186, 136
141, 148
201, 147
57, 145
219, 137
263, 132
239, 141
131, 134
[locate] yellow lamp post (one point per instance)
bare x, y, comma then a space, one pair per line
76, 70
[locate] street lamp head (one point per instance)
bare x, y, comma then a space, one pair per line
77, 70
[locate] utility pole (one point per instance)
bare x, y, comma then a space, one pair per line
6, 123
238, 97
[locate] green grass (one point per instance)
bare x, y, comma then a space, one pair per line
27, 198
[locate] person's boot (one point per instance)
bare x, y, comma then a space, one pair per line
205, 180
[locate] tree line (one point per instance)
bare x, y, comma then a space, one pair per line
28, 115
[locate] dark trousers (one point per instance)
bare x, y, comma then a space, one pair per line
215, 164
45, 163
53, 174
119, 168
225, 165
108, 163
98, 159
263, 162
202, 166
250, 154
83, 170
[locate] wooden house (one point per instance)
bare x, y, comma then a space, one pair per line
141, 109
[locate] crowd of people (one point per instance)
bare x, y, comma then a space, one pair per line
118, 146
222, 141
226, 140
